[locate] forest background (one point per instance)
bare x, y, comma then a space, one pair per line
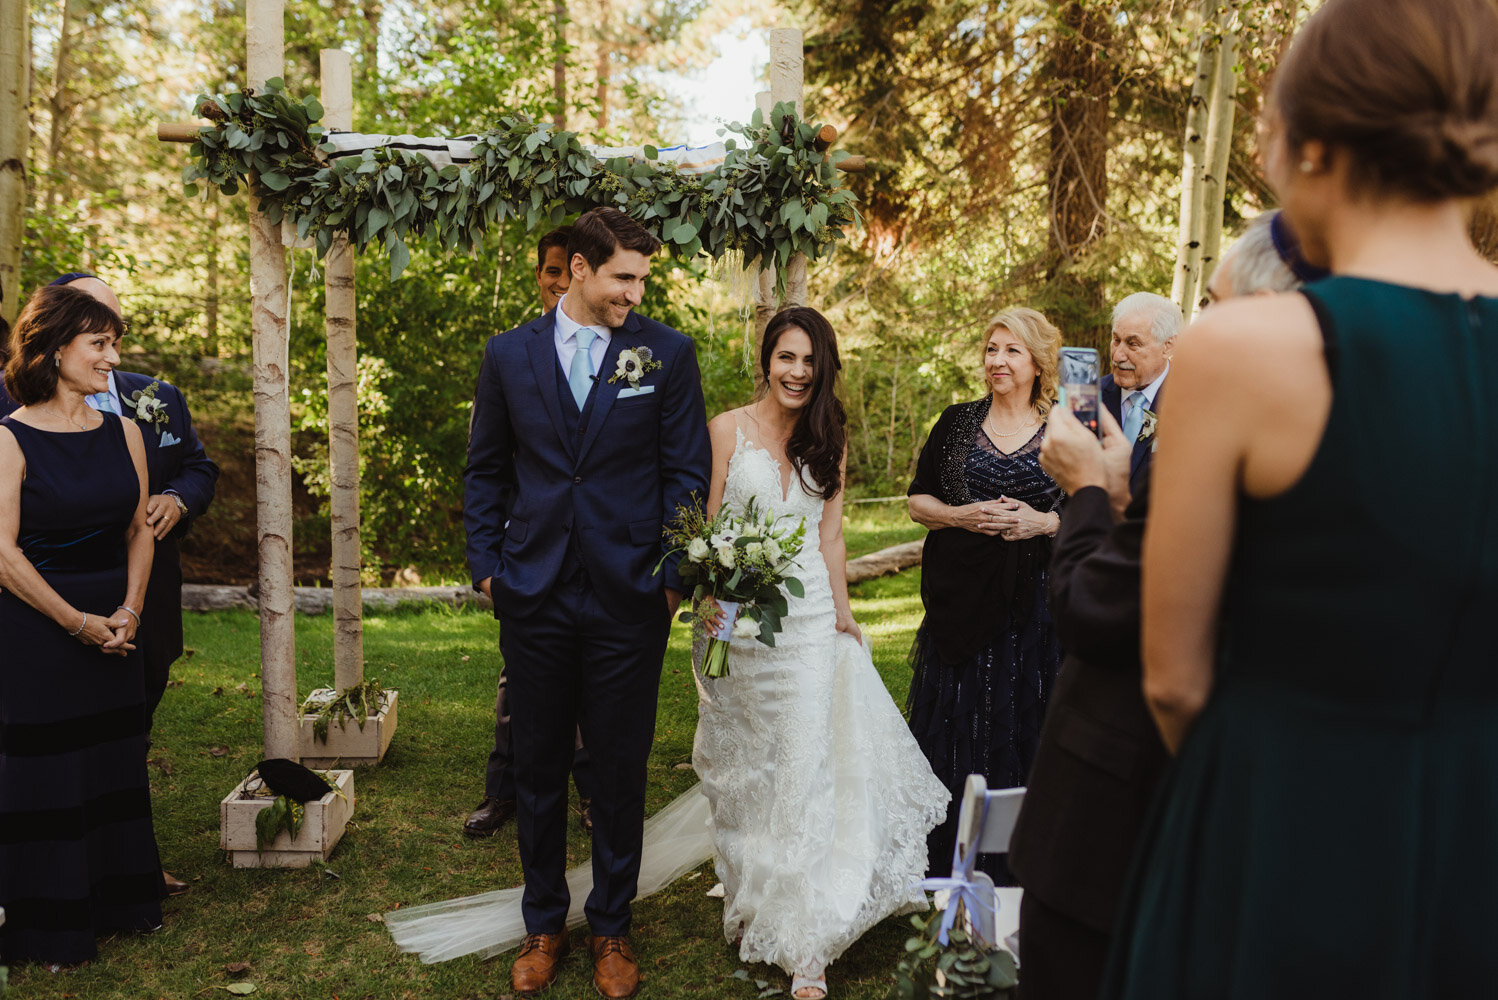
1021, 153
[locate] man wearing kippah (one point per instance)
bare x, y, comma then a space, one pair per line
182, 480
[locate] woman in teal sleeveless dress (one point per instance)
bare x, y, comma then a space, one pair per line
1321, 569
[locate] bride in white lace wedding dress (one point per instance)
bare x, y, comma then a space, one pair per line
821, 799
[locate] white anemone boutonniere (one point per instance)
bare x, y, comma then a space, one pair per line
634, 364
1147, 429
148, 409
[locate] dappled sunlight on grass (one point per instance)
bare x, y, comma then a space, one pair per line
307, 932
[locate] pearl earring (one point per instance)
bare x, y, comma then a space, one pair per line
57, 361
1306, 166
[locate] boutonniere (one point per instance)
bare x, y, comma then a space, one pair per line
148, 409
1147, 428
634, 364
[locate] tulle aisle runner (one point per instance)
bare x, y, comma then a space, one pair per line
677, 839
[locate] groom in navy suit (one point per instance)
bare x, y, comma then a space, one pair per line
588, 431
1145, 327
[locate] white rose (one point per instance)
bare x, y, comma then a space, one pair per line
698, 550
726, 555
745, 628
772, 552
754, 552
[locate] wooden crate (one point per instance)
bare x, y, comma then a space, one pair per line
319, 834
348, 745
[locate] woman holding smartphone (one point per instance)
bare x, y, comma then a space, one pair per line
1321, 664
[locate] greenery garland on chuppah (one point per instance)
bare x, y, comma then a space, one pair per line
771, 198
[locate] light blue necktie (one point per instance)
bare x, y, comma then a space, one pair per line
104, 403
580, 375
1134, 420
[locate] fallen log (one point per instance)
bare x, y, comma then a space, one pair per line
319, 600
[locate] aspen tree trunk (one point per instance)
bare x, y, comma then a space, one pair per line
57, 103
265, 36
1219, 146
559, 64
601, 64
1193, 174
765, 302
787, 76
343, 407
15, 90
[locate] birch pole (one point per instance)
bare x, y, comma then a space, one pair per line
15, 91
1193, 173
765, 302
1219, 143
343, 406
265, 38
787, 80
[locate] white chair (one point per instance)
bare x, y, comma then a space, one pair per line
985, 822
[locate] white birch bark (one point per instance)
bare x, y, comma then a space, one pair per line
343, 406
1193, 170
265, 38
15, 89
1219, 142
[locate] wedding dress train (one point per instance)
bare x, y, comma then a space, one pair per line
821, 799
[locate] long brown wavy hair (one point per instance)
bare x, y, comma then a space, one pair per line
820, 437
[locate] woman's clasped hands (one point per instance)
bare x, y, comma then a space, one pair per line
114, 635
1006, 517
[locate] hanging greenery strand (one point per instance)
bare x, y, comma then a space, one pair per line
774, 196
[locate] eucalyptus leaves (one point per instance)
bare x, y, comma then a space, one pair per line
773, 197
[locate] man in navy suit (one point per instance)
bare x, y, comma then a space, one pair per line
588, 432
181, 486
1145, 327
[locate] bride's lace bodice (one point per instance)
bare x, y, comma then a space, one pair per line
753, 473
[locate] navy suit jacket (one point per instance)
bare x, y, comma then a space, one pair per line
530, 492
1112, 397
175, 460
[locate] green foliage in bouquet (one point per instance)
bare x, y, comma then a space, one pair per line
958, 969
772, 198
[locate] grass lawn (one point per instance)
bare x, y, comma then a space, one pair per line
312, 933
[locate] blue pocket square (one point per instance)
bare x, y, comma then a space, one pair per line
641, 391
168, 439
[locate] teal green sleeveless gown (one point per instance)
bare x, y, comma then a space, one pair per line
1330, 827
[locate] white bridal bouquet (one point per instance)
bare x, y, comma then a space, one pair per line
743, 562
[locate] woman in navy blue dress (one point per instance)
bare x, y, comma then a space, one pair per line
77, 848
986, 654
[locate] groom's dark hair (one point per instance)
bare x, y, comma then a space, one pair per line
598, 233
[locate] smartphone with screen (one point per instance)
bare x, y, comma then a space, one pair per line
1079, 375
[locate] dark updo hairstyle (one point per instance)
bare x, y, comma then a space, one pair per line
1408, 89
54, 315
820, 437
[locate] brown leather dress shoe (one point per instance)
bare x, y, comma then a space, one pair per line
585, 814
173, 885
615, 974
538, 962
491, 814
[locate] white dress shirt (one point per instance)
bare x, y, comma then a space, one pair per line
566, 339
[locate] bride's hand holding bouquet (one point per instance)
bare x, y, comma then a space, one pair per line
738, 567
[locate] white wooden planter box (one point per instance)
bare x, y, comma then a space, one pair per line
319, 834
348, 745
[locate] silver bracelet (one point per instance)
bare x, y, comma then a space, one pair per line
131, 611
81, 626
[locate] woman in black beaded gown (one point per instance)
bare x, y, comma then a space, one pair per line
77, 850
986, 654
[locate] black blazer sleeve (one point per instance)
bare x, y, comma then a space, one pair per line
490, 471
1094, 585
196, 477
